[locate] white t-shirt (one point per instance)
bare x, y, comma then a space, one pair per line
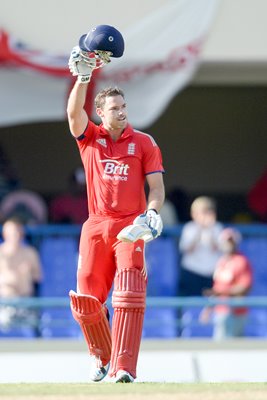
199, 248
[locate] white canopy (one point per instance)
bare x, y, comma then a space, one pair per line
166, 43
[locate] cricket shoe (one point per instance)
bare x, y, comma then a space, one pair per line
98, 371
123, 377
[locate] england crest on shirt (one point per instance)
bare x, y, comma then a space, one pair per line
131, 148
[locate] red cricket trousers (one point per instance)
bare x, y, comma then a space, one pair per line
101, 254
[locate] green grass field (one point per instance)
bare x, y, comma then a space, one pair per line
135, 391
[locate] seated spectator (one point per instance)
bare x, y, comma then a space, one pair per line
199, 247
20, 273
232, 278
71, 207
26, 205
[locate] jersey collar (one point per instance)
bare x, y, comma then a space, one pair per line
128, 131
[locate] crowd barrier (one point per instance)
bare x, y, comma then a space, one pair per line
162, 319
167, 315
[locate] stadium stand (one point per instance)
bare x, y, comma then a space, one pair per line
162, 269
59, 259
58, 248
256, 250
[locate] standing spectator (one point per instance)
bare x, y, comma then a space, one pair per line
20, 272
199, 247
71, 207
232, 278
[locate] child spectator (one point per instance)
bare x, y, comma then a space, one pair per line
232, 277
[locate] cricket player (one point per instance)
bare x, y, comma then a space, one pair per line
117, 160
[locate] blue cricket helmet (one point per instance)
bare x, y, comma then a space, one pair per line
103, 37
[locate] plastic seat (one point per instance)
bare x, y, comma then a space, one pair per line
191, 326
24, 332
59, 258
256, 251
162, 270
160, 323
59, 323
256, 325
162, 267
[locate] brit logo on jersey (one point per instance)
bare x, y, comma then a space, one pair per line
102, 142
115, 170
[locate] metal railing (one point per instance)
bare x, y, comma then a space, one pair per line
154, 302
252, 230
44, 322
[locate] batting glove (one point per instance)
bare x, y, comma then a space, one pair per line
81, 66
153, 220
132, 233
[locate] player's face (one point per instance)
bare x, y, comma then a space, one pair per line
114, 113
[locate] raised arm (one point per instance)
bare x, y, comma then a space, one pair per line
93, 52
77, 116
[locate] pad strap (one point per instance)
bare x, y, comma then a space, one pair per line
128, 301
92, 317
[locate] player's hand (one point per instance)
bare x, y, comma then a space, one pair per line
132, 233
153, 220
81, 66
146, 226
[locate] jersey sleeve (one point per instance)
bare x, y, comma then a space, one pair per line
152, 157
87, 136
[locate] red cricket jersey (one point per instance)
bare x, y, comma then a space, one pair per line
231, 271
115, 171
